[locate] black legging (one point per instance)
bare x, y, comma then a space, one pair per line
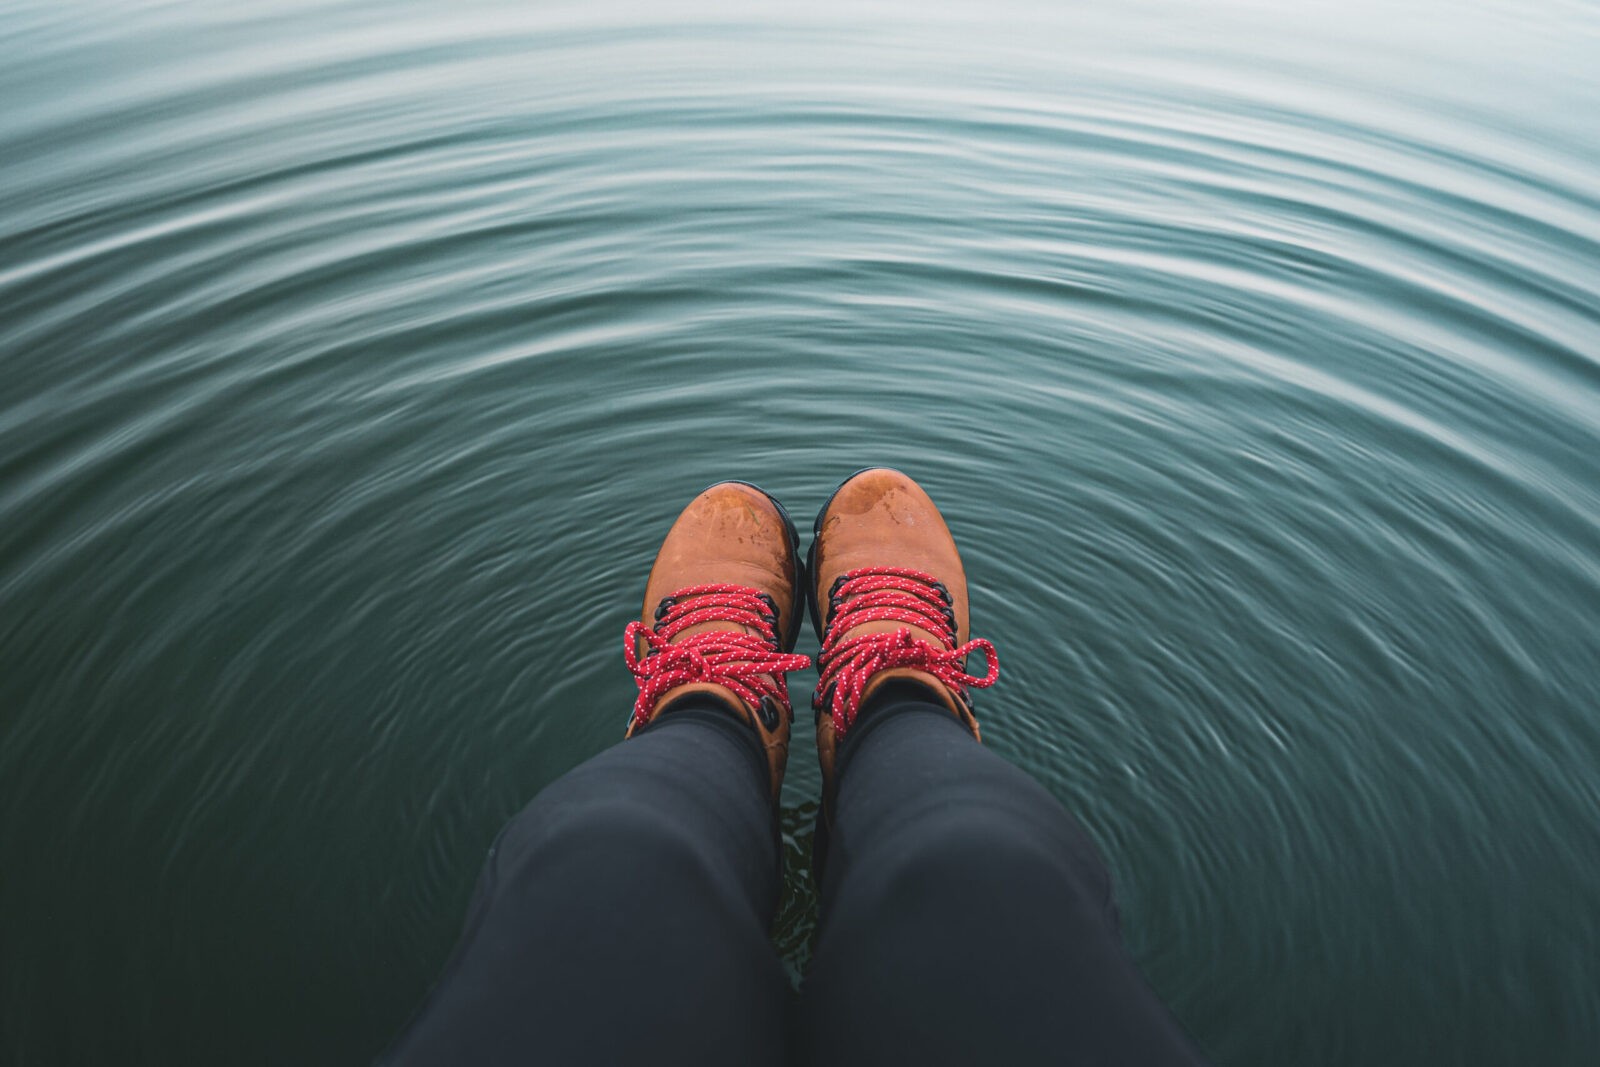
622, 917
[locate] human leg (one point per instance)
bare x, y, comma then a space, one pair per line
965, 916
623, 915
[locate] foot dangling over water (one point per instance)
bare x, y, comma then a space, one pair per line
721, 611
889, 603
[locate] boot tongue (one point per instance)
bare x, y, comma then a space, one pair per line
713, 625
889, 626
723, 693
718, 639
882, 678
708, 627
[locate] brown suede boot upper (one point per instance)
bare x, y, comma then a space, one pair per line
732, 534
880, 518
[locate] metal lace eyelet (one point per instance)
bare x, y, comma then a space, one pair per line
770, 712
772, 607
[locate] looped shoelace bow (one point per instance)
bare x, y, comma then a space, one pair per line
891, 594
750, 664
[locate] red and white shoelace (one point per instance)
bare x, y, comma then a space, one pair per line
749, 664
891, 594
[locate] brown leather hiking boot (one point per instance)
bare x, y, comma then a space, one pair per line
889, 602
721, 611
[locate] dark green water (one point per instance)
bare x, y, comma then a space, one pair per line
354, 357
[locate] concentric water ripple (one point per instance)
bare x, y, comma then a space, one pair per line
356, 356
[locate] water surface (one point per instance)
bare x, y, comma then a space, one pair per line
355, 357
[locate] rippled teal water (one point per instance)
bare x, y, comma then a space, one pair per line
355, 357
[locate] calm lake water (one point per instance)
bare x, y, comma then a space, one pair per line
354, 357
